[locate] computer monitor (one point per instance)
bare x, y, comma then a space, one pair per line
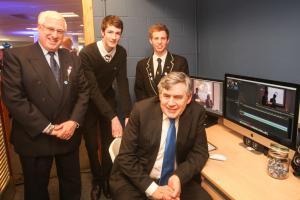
267, 110
209, 93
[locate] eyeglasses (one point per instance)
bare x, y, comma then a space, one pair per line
52, 30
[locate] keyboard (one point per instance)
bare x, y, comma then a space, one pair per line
211, 147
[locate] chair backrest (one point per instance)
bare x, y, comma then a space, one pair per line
114, 148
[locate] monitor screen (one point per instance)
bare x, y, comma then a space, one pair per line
269, 108
209, 93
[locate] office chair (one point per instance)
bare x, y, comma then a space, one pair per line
114, 148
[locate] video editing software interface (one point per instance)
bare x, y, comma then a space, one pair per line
209, 93
269, 108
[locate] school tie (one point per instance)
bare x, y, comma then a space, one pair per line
54, 67
158, 71
169, 154
107, 57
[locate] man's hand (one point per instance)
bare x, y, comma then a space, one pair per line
163, 193
174, 183
64, 130
116, 127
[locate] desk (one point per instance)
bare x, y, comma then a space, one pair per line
243, 175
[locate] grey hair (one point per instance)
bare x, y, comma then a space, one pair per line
52, 14
173, 78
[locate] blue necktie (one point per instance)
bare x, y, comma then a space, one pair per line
169, 154
54, 67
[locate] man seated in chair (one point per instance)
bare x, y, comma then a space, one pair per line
163, 147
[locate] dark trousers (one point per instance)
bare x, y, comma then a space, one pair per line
93, 139
36, 172
190, 191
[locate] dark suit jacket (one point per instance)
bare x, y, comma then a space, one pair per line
145, 86
33, 98
101, 75
141, 140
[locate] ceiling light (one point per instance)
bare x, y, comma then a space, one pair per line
69, 14
75, 33
34, 29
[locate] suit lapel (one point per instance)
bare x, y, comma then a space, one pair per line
42, 68
169, 64
149, 68
65, 77
155, 122
66, 69
183, 127
150, 73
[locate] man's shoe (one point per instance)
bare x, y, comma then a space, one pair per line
95, 192
106, 190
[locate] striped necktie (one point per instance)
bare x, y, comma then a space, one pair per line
107, 58
54, 67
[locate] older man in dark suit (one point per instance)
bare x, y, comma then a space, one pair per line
150, 70
163, 147
46, 93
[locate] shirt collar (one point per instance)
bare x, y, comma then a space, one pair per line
166, 120
45, 52
165, 117
103, 51
163, 57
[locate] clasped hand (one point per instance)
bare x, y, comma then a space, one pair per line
64, 130
169, 192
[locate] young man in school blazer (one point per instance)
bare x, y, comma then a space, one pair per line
150, 70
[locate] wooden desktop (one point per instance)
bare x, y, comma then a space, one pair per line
243, 176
